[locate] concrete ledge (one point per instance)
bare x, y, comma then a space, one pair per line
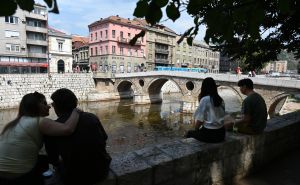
188, 161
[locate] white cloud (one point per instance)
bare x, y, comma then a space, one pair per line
75, 16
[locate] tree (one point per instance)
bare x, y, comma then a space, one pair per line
9, 7
253, 30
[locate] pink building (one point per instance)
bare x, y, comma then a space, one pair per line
109, 46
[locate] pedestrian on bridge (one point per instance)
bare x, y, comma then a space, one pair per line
209, 116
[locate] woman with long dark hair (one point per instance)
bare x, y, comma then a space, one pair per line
21, 140
209, 116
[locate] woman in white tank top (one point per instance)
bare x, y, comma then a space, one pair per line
209, 116
21, 140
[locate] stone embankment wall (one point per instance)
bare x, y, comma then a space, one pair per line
14, 86
190, 162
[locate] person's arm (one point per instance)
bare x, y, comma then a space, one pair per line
199, 113
53, 128
198, 124
245, 119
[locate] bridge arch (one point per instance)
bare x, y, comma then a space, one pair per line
154, 88
232, 97
126, 89
155, 85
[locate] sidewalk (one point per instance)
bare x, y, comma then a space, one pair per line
284, 171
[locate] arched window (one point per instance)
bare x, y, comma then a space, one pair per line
60, 66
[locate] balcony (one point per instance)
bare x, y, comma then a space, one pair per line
35, 16
36, 29
37, 55
162, 51
123, 40
163, 41
162, 61
37, 42
126, 41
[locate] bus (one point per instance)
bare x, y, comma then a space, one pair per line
163, 68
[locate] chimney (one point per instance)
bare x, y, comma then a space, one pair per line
128, 19
117, 15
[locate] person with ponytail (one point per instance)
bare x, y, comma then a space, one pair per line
22, 139
209, 116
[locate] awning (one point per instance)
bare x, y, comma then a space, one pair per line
25, 64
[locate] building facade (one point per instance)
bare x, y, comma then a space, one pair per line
80, 52
60, 51
23, 46
276, 66
109, 47
161, 42
199, 55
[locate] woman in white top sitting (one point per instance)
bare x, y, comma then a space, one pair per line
209, 116
21, 140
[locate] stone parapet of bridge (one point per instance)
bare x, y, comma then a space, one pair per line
189, 162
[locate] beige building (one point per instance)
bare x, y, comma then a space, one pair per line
60, 51
276, 66
197, 55
23, 46
160, 46
80, 52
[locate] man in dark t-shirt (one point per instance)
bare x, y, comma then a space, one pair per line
83, 153
254, 110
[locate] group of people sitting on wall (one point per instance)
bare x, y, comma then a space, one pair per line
210, 124
76, 142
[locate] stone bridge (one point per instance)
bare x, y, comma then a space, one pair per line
145, 87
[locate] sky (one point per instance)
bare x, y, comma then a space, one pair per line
76, 15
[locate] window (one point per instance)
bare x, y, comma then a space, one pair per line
113, 49
9, 33
121, 51
121, 35
11, 19
136, 53
96, 51
96, 35
91, 51
91, 36
39, 11
129, 36
106, 33
100, 50
113, 33
129, 52
101, 34
12, 47
60, 46
106, 49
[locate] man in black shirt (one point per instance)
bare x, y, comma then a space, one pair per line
84, 157
254, 110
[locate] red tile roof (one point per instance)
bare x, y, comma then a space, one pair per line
78, 38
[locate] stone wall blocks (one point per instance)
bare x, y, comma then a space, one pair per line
131, 169
162, 164
176, 149
110, 180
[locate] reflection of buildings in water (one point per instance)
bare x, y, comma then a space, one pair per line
125, 109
